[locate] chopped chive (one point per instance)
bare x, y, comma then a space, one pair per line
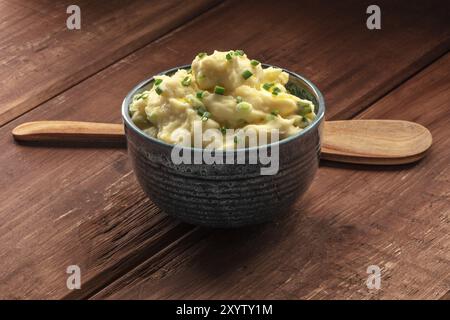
189, 71
219, 90
158, 90
158, 82
152, 117
267, 86
229, 56
239, 53
276, 91
201, 54
223, 130
304, 123
243, 106
254, 63
200, 111
206, 116
246, 74
143, 95
200, 94
186, 81
304, 109
275, 112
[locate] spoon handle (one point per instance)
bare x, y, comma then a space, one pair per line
76, 131
378, 142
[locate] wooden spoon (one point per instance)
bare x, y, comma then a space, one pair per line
379, 142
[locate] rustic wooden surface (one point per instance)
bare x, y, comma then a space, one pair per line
62, 205
353, 217
41, 57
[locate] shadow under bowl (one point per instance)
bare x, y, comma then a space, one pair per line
227, 195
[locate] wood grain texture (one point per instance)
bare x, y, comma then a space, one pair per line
62, 206
40, 57
63, 131
353, 217
446, 296
377, 142
322, 47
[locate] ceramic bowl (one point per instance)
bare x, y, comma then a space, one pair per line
226, 195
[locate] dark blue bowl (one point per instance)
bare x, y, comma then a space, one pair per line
226, 195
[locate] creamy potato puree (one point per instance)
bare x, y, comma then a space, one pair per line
224, 90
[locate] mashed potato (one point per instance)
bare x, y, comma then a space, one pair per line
224, 90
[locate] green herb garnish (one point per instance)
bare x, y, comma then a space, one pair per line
304, 109
243, 106
186, 81
158, 82
143, 95
246, 74
254, 63
267, 86
276, 91
219, 90
229, 56
152, 117
158, 90
201, 54
206, 116
304, 123
200, 111
200, 94
239, 53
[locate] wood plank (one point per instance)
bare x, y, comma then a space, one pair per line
40, 57
62, 206
446, 296
353, 217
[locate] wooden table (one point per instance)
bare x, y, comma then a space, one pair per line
62, 206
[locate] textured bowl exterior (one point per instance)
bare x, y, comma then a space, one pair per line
224, 195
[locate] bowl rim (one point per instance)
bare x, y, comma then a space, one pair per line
126, 118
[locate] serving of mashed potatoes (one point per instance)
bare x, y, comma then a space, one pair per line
224, 90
